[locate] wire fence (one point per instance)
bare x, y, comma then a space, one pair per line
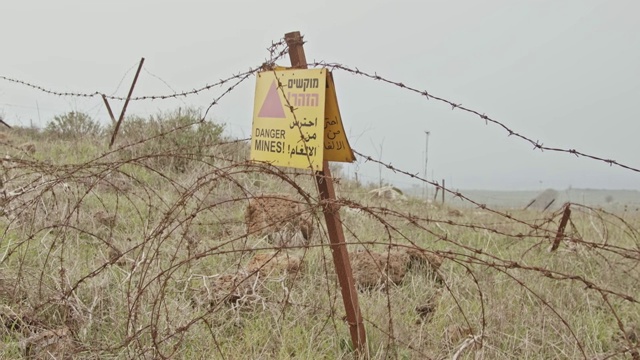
173, 245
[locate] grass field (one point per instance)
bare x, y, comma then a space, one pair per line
143, 252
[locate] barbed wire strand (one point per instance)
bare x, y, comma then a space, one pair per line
428, 95
276, 54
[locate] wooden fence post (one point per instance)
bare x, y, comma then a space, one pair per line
563, 223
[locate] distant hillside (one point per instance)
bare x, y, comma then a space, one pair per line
607, 199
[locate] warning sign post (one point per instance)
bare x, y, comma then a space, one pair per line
297, 123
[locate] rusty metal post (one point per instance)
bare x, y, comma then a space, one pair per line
443, 192
4, 123
106, 103
334, 225
124, 108
563, 223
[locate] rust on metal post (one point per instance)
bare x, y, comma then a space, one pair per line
334, 224
563, 223
443, 192
106, 103
296, 50
126, 102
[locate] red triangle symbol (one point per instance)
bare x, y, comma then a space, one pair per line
272, 106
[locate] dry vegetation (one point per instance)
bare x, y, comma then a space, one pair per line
164, 249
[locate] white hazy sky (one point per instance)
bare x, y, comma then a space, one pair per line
563, 72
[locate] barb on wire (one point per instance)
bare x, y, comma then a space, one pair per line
428, 95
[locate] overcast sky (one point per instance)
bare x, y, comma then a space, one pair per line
564, 73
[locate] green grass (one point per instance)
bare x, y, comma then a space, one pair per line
179, 226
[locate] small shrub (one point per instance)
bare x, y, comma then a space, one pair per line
175, 138
73, 125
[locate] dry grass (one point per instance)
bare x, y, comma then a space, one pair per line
124, 255
285, 221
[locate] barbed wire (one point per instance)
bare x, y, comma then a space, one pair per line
278, 49
124, 76
154, 243
160, 219
275, 52
429, 95
221, 82
455, 194
162, 81
534, 226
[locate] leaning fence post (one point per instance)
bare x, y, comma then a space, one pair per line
563, 223
106, 103
124, 107
334, 224
4, 123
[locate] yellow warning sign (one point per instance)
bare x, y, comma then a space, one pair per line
296, 120
336, 145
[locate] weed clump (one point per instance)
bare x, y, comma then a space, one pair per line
72, 126
172, 140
